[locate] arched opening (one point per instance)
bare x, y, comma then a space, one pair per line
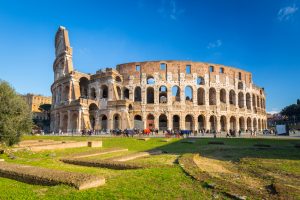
233, 123
93, 108
232, 97
213, 123
176, 122
248, 101
116, 122
212, 96
74, 122
104, 92
240, 86
119, 93
150, 95
175, 93
103, 122
189, 125
257, 103
223, 123
188, 91
201, 96
66, 93
163, 95
150, 80
249, 127
137, 94
200, 80
242, 124
126, 93
163, 122
259, 125
118, 79
201, 122
223, 96
241, 100
138, 122
130, 108
64, 127
253, 100
150, 121
93, 93
83, 85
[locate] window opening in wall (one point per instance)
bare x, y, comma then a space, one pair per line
163, 66
221, 70
211, 69
137, 68
188, 69
240, 76
200, 81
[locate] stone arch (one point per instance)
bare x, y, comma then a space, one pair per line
254, 124
241, 99
248, 101
189, 122
116, 121
119, 92
253, 100
130, 108
212, 96
242, 124
150, 121
163, 122
103, 122
150, 80
233, 123
176, 122
201, 122
93, 108
93, 94
163, 94
150, 95
223, 95
213, 123
258, 102
118, 79
259, 124
232, 97
188, 92
138, 122
175, 93
66, 92
249, 124
104, 92
64, 127
201, 96
83, 85
74, 122
223, 123
126, 93
137, 94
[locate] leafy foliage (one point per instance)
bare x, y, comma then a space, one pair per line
15, 115
292, 111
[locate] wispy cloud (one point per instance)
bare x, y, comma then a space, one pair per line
287, 13
214, 44
170, 9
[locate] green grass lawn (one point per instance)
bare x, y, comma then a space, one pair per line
167, 182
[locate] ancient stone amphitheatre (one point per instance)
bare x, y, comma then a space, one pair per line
126, 168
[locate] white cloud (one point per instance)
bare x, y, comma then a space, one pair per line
273, 111
286, 13
214, 44
169, 8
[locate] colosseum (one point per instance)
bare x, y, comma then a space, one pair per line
165, 94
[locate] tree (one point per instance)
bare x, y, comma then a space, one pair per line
15, 115
292, 111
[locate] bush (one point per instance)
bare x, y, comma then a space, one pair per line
15, 115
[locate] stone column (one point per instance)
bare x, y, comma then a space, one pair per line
79, 121
69, 122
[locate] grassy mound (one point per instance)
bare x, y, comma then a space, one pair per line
43, 176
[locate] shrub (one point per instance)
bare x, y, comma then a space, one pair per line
15, 115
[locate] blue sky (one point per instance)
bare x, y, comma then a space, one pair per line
260, 36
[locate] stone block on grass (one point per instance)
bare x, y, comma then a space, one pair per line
95, 144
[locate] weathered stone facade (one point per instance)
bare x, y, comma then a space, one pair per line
157, 94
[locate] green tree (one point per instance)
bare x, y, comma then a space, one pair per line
292, 111
15, 115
